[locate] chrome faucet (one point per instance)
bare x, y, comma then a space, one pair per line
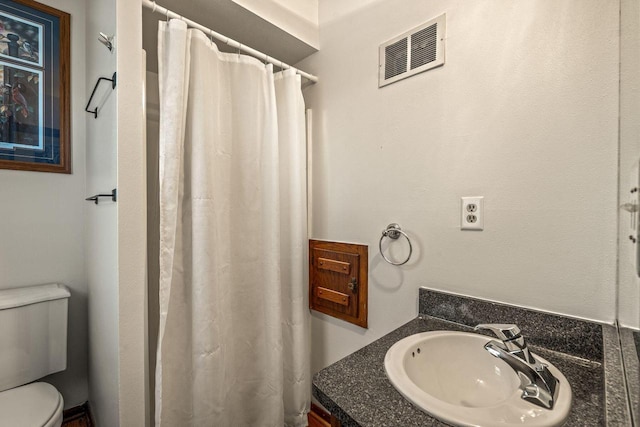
538, 385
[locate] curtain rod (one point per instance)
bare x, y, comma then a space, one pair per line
149, 4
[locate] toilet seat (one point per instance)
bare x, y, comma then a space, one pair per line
37, 404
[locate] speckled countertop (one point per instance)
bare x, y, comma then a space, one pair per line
356, 389
630, 341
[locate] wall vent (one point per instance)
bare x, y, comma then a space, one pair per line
413, 52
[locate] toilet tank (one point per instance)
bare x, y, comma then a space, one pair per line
33, 333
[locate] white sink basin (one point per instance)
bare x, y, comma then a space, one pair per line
453, 378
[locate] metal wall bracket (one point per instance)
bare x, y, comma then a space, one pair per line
96, 198
113, 86
106, 40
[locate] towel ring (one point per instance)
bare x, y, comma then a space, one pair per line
393, 231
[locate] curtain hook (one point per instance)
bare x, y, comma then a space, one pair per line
239, 49
167, 15
211, 36
155, 5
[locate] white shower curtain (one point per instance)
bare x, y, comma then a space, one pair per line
233, 347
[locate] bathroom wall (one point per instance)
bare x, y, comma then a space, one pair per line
132, 225
628, 281
275, 27
297, 17
42, 237
102, 222
116, 232
524, 112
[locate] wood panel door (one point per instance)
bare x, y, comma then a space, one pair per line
338, 275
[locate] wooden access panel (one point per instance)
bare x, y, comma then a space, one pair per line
338, 280
320, 418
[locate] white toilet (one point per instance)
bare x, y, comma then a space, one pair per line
33, 344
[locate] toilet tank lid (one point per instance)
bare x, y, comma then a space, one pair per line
17, 297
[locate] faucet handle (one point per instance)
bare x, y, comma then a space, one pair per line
504, 331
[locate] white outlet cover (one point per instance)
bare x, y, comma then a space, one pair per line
472, 213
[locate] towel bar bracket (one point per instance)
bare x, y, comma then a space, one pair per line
96, 198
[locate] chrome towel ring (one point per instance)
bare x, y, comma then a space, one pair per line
393, 231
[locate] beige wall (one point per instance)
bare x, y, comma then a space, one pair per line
524, 113
41, 226
101, 222
132, 226
297, 17
629, 284
117, 232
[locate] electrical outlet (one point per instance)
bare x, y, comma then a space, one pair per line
472, 213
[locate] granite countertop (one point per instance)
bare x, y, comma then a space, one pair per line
630, 343
356, 389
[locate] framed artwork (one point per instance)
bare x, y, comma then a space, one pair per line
34, 87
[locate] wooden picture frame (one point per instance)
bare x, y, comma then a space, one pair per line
35, 55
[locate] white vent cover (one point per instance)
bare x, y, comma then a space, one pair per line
413, 52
